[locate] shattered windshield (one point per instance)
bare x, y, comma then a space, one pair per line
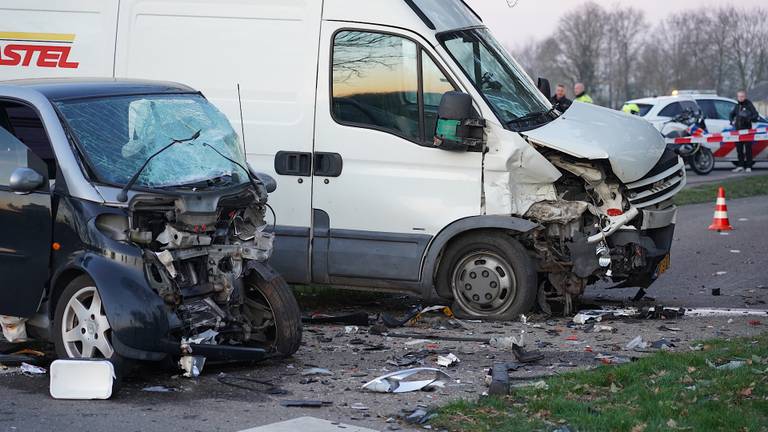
117, 134
507, 89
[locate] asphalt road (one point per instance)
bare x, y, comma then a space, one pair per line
723, 172
735, 262
208, 405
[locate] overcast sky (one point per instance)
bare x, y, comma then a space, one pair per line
534, 19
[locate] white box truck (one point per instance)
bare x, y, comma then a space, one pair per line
340, 101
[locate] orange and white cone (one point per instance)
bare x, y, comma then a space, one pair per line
720, 222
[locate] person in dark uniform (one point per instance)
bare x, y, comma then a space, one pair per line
559, 101
742, 116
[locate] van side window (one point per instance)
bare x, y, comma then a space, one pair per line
376, 84
23, 122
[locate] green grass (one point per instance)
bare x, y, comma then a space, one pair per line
737, 188
662, 392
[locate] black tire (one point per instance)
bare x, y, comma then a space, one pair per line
122, 365
285, 310
497, 258
703, 162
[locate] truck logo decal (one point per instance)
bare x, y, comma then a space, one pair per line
47, 50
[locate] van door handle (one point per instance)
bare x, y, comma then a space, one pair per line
293, 163
328, 164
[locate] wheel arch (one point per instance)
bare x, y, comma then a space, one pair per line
458, 229
59, 283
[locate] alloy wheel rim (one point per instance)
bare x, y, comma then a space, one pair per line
704, 160
483, 283
85, 329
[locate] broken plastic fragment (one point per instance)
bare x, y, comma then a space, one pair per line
637, 343
28, 369
395, 382
447, 360
14, 328
192, 365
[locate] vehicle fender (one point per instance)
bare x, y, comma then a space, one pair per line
139, 318
438, 244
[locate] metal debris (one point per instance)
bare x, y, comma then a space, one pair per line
395, 382
316, 371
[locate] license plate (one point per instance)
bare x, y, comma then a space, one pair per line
665, 264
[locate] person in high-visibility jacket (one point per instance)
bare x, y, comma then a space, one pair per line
581, 94
631, 108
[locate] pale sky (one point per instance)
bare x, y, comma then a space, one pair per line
535, 19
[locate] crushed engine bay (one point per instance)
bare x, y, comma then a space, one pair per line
589, 233
198, 249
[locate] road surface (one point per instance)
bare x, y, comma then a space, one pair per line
208, 405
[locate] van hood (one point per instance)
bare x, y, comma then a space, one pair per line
631, 145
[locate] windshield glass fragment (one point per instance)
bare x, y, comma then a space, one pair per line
508, 90
117, 135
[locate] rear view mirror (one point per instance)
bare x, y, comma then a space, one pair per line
25, 180
269, 182
545, 88
458, 128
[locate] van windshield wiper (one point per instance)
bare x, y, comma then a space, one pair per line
531, 116
123, 195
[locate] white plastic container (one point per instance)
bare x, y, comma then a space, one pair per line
82, 379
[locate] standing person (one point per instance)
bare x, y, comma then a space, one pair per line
559, 100
581, 93
742, 116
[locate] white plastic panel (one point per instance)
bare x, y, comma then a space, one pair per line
62, 38
82, 379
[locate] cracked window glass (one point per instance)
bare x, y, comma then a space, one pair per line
116, 135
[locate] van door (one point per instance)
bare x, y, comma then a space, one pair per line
381, 191
25, 220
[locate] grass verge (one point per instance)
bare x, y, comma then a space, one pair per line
662, 392
737, 188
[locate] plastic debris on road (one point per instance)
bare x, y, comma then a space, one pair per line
396, 382
192, 365
316, 371
447, 360
637, 343
82, 379
28, 369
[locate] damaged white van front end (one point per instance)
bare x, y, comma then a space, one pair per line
600, 185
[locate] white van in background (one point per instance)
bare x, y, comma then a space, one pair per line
340, 101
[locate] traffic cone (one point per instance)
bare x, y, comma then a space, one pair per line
720, 222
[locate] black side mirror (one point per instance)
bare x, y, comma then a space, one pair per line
545, 88
269, 182
458, 128
25, 180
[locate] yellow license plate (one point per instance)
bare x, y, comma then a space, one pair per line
665, 264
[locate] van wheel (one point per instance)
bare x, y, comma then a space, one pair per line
81, 329
490, 276
273, 309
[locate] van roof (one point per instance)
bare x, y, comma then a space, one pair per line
56, 89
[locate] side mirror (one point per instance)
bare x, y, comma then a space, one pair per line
458, 128
269, 182
545, 87
25, 180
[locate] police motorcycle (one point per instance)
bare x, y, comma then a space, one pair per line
690, 123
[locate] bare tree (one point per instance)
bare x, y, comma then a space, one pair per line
625, 29
580, 35
748, 43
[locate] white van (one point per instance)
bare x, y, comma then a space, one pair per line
339, 100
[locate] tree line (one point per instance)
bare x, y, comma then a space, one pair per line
620, 56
